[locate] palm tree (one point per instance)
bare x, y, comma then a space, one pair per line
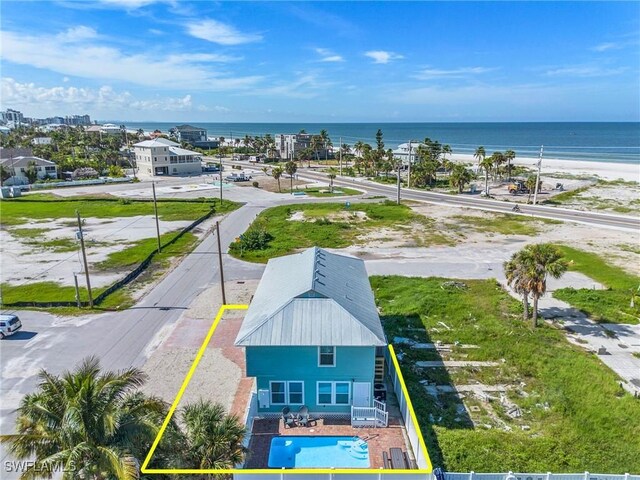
93, 422
447, 164
498, 160
516, 278
332, 175
358, 147
316, 143
531, 268
291, 168
326, 142
213, 439
479, 154
509, 155
276, 173
486, 164
459, 177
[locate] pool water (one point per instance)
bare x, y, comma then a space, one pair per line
318, 452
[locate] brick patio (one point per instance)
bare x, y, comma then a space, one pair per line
379, 439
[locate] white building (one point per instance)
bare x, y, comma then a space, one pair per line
407, 152
17, 168
164, 157
41, 141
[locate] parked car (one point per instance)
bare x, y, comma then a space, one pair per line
237, 177
9, 324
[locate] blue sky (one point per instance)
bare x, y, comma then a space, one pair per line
149, 60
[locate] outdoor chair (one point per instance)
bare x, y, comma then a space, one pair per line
303, 416
288, 418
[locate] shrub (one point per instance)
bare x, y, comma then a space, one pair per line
256, 184
255, 238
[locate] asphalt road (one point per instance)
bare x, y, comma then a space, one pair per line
597, 219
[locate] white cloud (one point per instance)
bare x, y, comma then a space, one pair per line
603, 47
584, 71
381, 56
328, 56
430, 73
218, 32
29, 96
128, 4
305, 85
77, 34
92, 60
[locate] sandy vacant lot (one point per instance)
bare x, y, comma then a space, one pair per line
455, 238
24, 262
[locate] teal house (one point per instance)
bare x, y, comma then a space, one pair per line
312, 335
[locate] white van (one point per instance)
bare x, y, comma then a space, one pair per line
9, 324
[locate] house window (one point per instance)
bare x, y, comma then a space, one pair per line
334, 393
296, 397
326, 356
287, 393
342, 393
277, 392
325, 396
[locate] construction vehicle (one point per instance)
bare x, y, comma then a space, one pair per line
518, 187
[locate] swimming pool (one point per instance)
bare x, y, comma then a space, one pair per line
318, 452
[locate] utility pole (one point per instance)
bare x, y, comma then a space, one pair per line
535, 191
84, 258
398, 182
340, 156
155, 209
75, 282
409, 167
224, 298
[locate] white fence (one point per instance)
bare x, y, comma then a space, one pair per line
538, 476
389, 474
406, 416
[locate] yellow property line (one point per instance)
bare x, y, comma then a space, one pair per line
272, 471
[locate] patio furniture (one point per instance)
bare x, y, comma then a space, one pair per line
386, 462
397, 459
303, 416
288, 418
410, 463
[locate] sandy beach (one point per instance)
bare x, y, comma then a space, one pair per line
605, 170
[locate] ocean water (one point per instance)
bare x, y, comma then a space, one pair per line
595, 141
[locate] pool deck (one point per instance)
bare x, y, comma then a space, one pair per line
379, 439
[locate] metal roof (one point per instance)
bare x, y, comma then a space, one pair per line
313, 298
157, 142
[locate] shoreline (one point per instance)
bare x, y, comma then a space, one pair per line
628, 172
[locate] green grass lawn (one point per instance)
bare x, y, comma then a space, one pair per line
138, 251
590, 423
125, 259
49, 207
504, 224
608, 306
324, 191
322, 229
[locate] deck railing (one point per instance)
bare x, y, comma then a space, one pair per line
369, 416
